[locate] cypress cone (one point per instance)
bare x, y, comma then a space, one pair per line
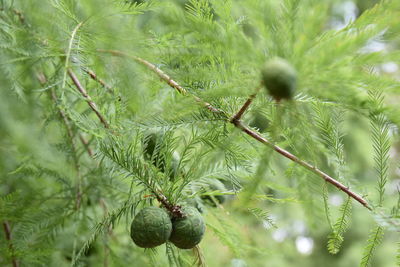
151, 227
188, 231
279, 78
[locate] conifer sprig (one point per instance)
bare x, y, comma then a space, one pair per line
43, 80
162, 75
374, 239
88, 99
52, 94
381, 145
238, 124
96, 78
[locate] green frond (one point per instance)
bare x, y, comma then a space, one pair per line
375, 238
328, 122
381, 143
325, 196
339, 228
66, 8
262, 215
69, 187
108, 222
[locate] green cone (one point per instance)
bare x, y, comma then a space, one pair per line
151, 227
187, 232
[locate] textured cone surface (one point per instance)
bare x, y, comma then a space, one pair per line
187, 232
279, 78
151, 227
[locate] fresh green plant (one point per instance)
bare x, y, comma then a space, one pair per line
84, 85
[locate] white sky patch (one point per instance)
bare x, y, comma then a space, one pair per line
397, 171
390, 67
299, 227
304, 245
349, 12
238, 263
280, 235
335, 200
394, 186
374, 46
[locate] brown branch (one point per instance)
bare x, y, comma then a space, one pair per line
20, 16
64, 118
74, 150
246, 105
109, 233
306, 165
97, 79
89, 100
42, 79
175, 210
86, 145
238, 124
7, 232
163, 77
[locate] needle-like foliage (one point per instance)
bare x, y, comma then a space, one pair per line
107, 107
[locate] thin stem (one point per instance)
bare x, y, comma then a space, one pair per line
97, 79
238, 124
20, 16
86, 145
64, 118
109, 233
175, 210
163, 77
306, 165
246, 105
89, 100
7, 232
71, 41
42, 79
74, 150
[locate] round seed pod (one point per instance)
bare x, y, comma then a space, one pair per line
151, 227
216, 185
279, 78
188, 231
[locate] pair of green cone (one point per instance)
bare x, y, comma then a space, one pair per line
153, 226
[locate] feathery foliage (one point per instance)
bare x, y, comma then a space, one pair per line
375, 238
336, 237
85, 84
